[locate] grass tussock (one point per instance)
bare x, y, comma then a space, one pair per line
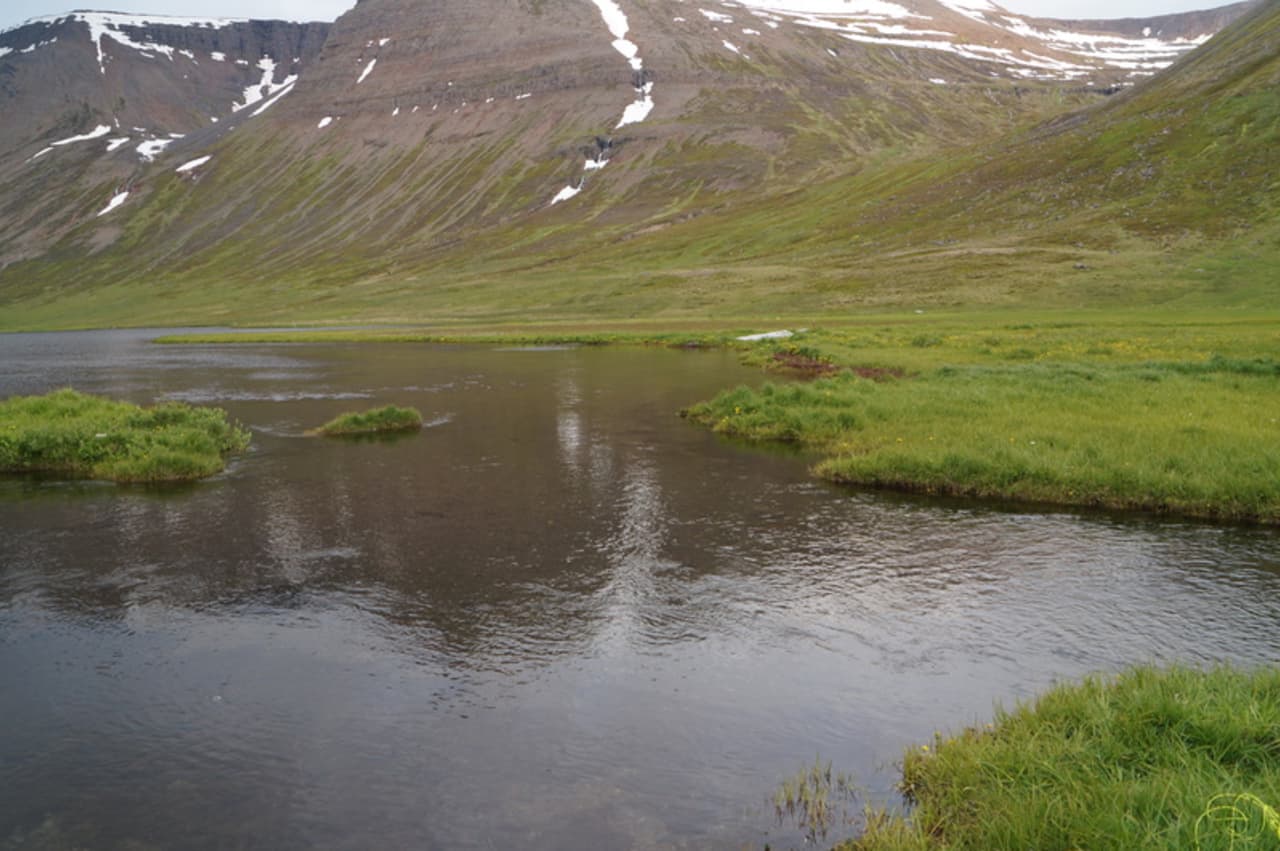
1155, 759
90, 437
375, 421
815, 799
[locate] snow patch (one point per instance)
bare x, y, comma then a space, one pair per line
152, 148
718, 17
730, 46
566, 193
115, 201
193, 165
108, 25
839, 8
972, 9
96, 133
264, 88
285, 88
218, 56
616, 21
768, 335
116, 144
640, 109
368, 69
324, 122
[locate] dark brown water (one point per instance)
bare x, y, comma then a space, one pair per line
558, 618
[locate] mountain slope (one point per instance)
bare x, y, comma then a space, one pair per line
427, 159
90, 99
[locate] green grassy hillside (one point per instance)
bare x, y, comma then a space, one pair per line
920, 198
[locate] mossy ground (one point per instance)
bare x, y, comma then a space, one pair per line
1176, 759
85, 436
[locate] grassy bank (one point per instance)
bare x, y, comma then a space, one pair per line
374, 421
90, 437
1176, 759
1180, 418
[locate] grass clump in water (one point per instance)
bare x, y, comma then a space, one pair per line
375, 421
1155, 759
91, 437
815, 799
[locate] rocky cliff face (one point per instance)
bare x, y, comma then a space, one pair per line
92, 99
411, 127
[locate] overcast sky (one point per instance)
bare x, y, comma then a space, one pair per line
14, 12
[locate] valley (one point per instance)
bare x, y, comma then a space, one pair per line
710, 385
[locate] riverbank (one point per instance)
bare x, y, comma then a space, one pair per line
1171, 413
83, 436
1173, 759
1196, 439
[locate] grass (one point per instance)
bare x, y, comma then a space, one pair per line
1179, 419
90, 437
374, 421
815, 799
1155, 759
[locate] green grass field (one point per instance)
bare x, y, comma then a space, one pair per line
70, 433
1179, 417
1176, 759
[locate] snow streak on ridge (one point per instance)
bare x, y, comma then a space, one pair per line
638, 110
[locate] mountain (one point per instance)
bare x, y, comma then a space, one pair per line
556, 156
91, 98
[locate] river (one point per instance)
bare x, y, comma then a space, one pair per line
560, 617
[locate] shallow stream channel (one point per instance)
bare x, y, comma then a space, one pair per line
559, 617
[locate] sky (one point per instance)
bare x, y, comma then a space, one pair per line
14, 12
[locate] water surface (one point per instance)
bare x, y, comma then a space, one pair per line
558, 618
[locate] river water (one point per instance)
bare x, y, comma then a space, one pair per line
558, 618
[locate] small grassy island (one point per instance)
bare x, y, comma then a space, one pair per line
1154, 759
84, 436
374, 421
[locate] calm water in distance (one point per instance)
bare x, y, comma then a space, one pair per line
558, 618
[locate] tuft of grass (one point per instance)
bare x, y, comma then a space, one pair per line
91, 437
815, 799
374, 421
1155, 759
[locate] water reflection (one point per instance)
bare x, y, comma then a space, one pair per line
561, 618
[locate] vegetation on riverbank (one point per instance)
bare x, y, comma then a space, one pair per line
1154, 759
90, 437
1156, 419
374, 421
